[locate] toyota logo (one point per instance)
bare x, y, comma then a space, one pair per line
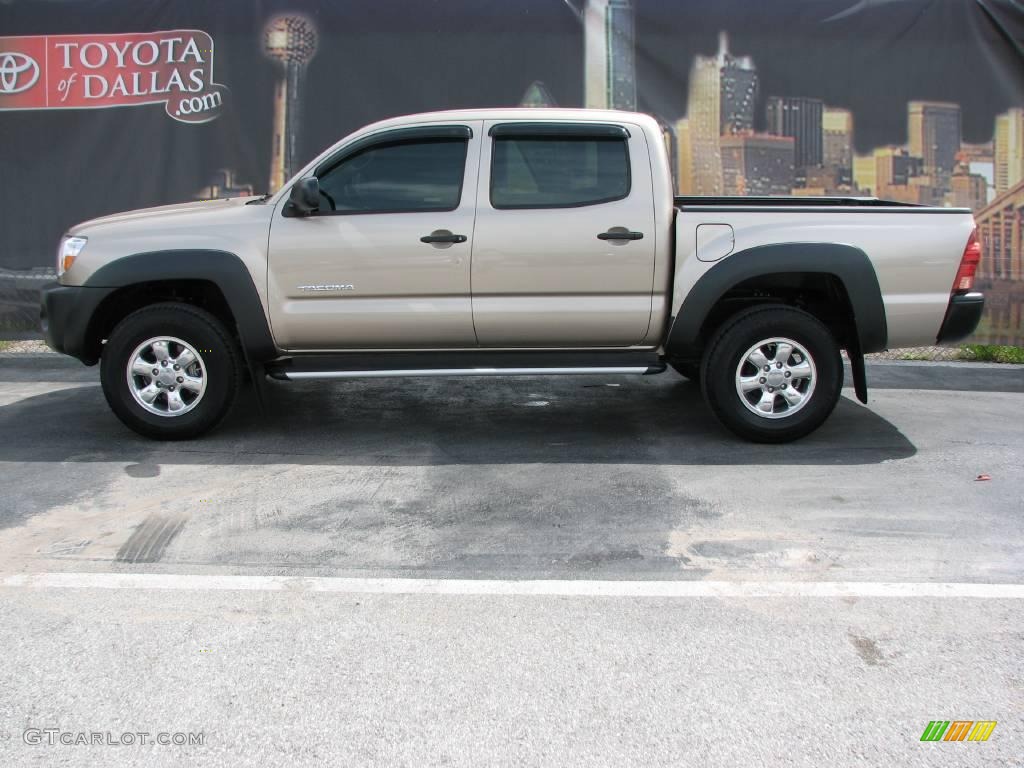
18, 72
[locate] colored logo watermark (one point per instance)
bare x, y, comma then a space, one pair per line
170, 67
958, 730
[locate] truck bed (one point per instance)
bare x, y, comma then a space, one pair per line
791, 201
915, 260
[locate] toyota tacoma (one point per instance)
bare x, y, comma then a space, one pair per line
506, 242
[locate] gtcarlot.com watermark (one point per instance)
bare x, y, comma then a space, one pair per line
52, 737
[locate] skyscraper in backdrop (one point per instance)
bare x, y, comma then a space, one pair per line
738, 90
757, 164
720, 102
966, 189
1008, 150
609, 57
933, 134
704, 125
800, 118
684, 179
837, 144
537, 95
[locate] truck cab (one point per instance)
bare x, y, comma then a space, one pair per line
512, 211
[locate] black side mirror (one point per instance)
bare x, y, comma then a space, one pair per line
304, 197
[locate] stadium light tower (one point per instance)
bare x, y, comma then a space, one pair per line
290, 40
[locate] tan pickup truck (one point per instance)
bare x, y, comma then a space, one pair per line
506, 242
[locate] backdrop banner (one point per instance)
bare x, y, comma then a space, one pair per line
111, 105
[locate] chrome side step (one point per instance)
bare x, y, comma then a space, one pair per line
376, 365
293, 375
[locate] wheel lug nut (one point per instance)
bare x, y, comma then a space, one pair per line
771, 389
163, 363
177, 367
159, 385
767, 368
783, 386
788, 374
171, 388
180, 379
156, 371
778, 365
763, 379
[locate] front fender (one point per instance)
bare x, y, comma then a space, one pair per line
223, 269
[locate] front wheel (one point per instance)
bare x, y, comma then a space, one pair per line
170, 371
772, 374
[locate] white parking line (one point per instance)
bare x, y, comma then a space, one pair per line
551, 588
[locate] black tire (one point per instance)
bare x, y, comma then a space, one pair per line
690, 371
222, 369
728, 349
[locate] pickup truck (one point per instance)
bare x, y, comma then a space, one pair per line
506, 242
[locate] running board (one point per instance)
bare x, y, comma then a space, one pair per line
296, 375
396, 365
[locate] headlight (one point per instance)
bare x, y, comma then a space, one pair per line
70, 247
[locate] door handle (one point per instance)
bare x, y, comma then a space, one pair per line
620, 235
449, 238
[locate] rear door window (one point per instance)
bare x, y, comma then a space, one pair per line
558, 172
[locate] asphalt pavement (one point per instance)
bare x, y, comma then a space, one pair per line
518, 571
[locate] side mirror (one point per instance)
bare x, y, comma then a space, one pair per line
304, 197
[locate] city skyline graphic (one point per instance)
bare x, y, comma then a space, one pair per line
806, 147
903, 101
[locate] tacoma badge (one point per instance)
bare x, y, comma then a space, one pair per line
332, 287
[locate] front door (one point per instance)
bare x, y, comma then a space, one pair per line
385, 262
563, 253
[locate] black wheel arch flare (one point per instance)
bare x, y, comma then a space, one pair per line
848, 263
223, 269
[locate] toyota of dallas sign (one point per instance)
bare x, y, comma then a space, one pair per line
174, 68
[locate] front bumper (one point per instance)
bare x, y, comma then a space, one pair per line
962, 316
65, 313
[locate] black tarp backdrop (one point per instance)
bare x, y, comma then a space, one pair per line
386, 57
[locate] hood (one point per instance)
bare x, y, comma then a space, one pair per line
163, 213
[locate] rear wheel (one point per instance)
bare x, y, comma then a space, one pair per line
170, 371
772, 374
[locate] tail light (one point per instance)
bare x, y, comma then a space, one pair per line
968, 264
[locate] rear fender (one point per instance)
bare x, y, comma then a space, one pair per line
849, 264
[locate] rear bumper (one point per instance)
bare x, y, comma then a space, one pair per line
962, 317
65, 312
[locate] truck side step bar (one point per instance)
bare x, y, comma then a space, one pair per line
470, 363
398, 373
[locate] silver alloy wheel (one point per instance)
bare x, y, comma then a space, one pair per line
775, 378
166, 376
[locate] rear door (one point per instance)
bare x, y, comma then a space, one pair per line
385, 261
564, 245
